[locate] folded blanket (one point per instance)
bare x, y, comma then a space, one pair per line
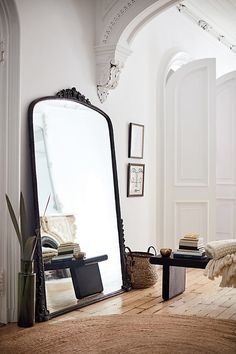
48, 253
49, 250
225, 267
219, 249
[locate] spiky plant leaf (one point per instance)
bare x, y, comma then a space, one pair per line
23, 219
14, 221
34, 247
29, 248
47, 204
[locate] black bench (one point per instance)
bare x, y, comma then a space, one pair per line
174, 273
85, 273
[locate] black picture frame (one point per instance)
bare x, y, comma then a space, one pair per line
136, 141
135, 181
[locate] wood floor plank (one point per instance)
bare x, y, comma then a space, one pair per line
133, 311
213, 311
228, 313
233, 318
231, 299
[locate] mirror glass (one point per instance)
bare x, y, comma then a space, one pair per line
76, 202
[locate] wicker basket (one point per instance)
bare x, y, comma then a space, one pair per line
142, 273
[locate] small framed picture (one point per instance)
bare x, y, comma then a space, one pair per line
135, 186
136, 140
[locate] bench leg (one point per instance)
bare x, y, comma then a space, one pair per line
173, 281
165, 282
86, 280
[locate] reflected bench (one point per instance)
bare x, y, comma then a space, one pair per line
85, 273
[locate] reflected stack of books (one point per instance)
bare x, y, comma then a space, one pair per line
190, 246
67, 250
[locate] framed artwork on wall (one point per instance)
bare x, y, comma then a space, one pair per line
136, 140
135, 185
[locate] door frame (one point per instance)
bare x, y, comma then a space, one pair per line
9, 155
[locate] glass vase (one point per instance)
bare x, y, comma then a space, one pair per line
26, 294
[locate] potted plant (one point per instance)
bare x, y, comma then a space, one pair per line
26, 277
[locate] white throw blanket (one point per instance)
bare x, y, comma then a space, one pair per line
219, 249
223, 262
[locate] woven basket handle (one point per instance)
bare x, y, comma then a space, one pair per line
131, 256
130, 252
152, 247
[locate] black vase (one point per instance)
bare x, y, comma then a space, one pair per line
26, 294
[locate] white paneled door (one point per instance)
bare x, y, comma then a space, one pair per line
189, 203
226, 156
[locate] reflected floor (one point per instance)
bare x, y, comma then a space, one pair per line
60, 293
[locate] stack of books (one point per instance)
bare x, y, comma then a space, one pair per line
190, 246
67, 250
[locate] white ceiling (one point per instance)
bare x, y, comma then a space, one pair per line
220, 14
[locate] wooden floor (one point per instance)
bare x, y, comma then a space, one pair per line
202, 297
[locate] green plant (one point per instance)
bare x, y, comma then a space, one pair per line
27, 243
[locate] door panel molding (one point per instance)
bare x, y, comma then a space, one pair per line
190, 151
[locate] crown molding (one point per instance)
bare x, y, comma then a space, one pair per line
117, 22
201, 20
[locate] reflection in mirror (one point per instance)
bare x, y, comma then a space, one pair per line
79, 224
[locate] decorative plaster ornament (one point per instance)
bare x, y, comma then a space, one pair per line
112, 81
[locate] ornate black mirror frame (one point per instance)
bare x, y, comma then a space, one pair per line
42, 313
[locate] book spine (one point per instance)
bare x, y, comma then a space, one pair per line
57, 258
190, 252
200, 240
191, 244
190, 239
188, 256
181, 247
65, 252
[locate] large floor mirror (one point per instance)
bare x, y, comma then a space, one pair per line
80, 256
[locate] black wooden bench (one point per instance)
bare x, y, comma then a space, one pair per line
174, 273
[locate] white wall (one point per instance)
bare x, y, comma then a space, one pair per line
57, 39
